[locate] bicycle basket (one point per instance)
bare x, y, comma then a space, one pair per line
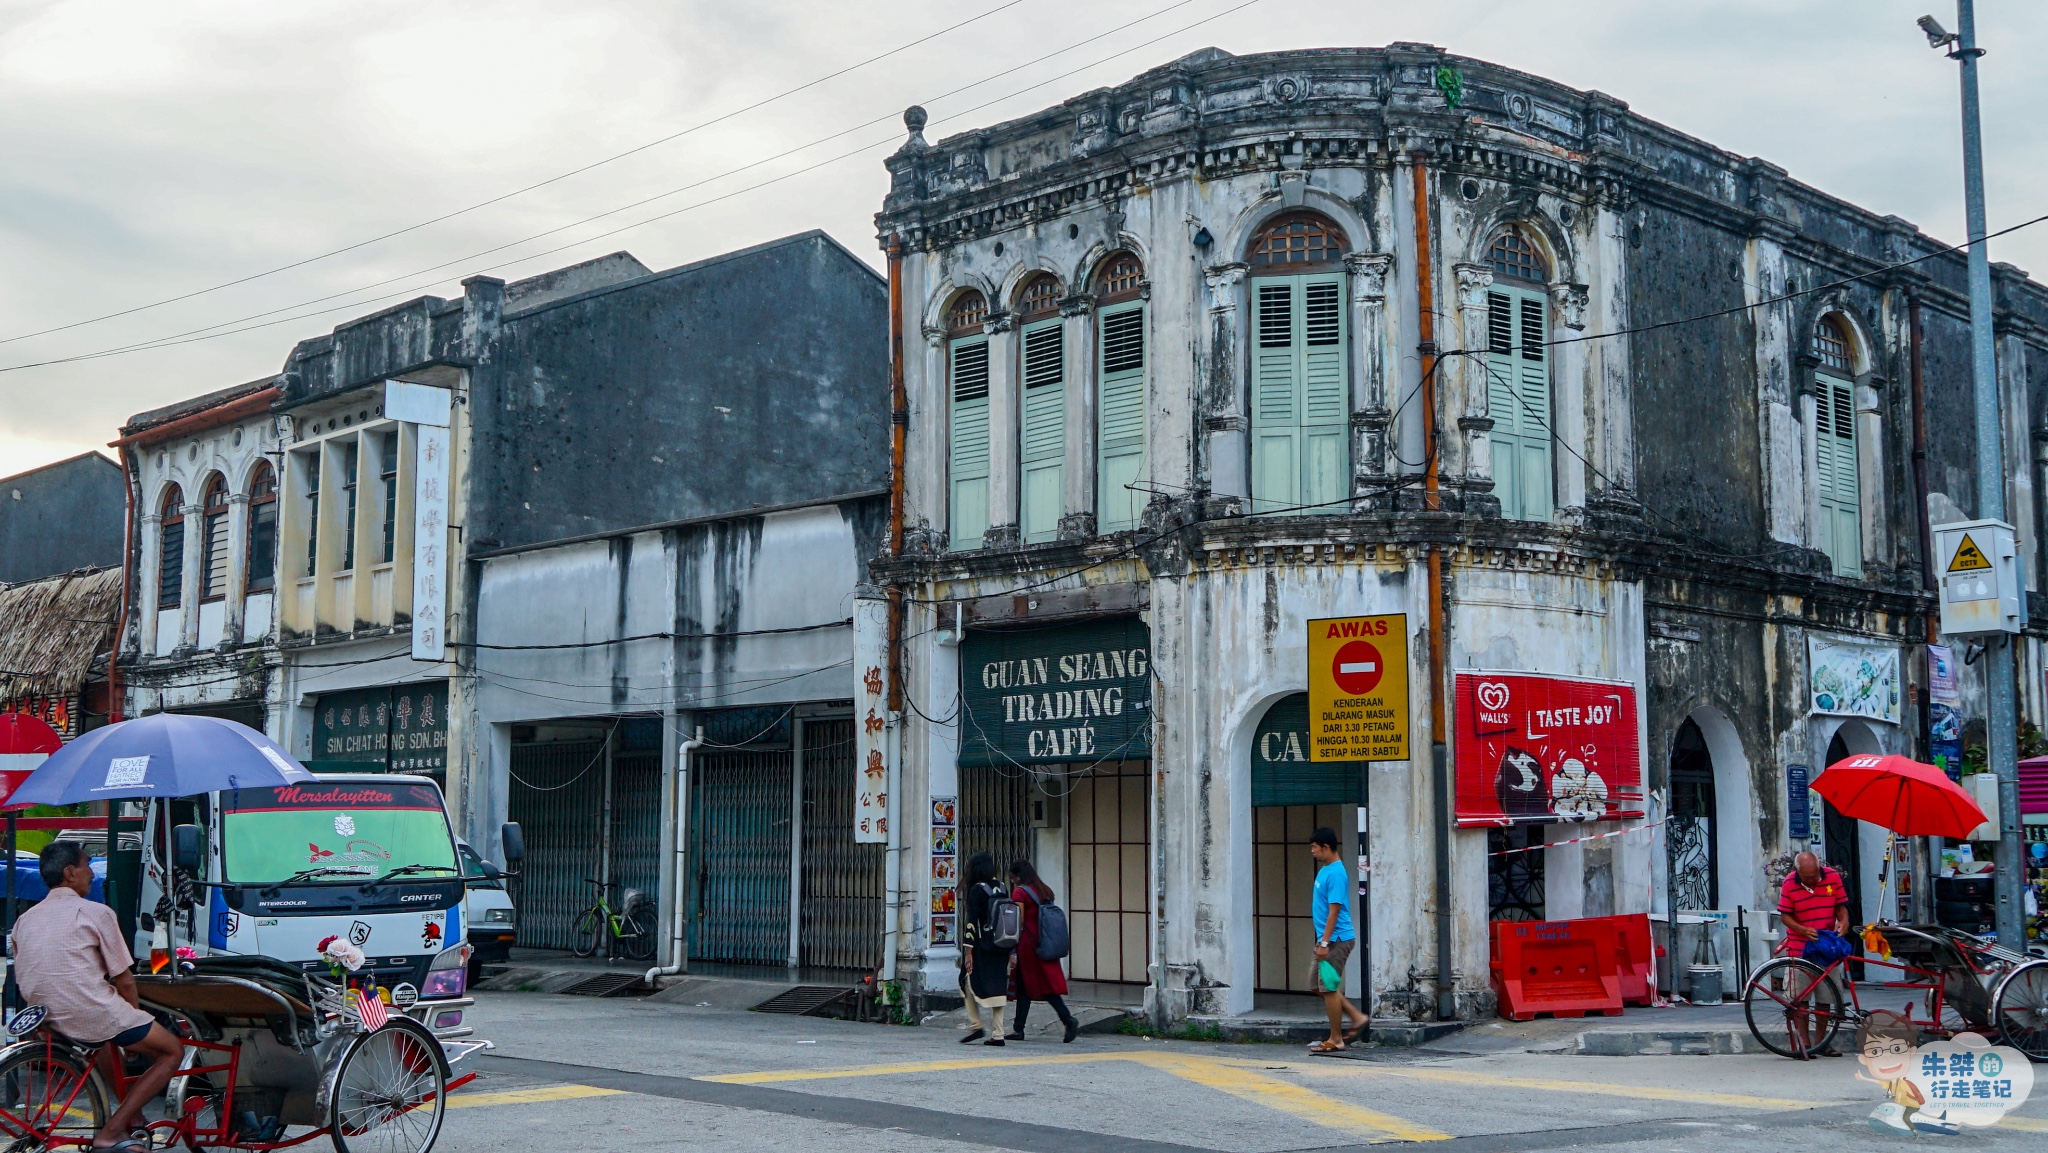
630, 900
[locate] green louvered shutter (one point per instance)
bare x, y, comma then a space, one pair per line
1518, 400
968, 468
1045, 428
1325, 394
1835, 460
1120, 411
1276, 402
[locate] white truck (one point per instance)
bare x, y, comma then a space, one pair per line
367, 858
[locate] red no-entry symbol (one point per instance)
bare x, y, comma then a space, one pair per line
1357, 668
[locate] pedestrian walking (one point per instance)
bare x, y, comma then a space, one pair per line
984, 959
1334, 940
1039, 977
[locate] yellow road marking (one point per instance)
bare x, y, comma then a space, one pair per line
1212, 1072
528, 1096
1599, 1088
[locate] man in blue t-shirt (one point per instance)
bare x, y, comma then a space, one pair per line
1334, 940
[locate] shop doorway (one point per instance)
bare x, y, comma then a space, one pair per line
1842, 842
1283, 878
1695, 857
1108, 866
739, 857
1514, 873
587, 796
995, 815
842, 881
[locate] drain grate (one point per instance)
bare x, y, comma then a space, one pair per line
606, 985
806, 1000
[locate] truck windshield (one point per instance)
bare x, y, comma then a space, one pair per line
342, 829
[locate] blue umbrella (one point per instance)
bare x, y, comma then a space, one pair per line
166, 755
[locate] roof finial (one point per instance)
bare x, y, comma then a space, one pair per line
914, 119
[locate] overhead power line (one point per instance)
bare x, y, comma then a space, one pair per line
556, 179
220, 329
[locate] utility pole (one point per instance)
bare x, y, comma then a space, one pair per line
1998, 655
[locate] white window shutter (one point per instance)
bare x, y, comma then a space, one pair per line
1120, 415
969, 464
1045, 429
1276, 401
1518, 401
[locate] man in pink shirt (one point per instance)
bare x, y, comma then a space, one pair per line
70, 959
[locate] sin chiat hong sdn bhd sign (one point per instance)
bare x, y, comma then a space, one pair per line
1080, 692
1358, 688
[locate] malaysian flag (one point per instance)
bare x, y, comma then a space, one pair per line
371, 1008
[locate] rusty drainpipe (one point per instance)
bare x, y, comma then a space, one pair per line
130, 569
1425, 298
899, 425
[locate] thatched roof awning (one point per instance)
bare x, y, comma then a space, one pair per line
53, 630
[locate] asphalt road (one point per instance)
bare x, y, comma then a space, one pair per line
572, 1073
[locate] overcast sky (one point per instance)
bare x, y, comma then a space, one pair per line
152, 149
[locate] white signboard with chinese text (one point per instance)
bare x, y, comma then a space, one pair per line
871, 721
430, 546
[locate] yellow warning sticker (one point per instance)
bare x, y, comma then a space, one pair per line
1968, 558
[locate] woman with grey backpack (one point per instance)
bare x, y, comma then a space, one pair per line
989, 926
1040, 946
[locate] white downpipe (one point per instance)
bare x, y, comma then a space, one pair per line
679, 914
892, 858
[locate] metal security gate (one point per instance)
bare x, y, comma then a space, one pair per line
739, 857
557, 796
842, 881
1108, 851
634, 851
995, 815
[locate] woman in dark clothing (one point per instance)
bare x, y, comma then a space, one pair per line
1036, 980
984, 968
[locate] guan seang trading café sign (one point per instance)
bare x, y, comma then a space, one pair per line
1048, 696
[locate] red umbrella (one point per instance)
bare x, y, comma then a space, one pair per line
1905, 796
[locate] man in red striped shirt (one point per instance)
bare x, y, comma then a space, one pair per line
1813, 898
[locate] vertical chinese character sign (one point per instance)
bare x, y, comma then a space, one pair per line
430, 546
871, 720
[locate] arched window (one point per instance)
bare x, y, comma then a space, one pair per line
262, 527
170, 566
1301, 377
1120, 387
1298, 238
968, 448
1042, 352
1835, 451
213, 539
1518, 377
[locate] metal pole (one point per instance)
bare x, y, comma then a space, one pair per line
1998, 663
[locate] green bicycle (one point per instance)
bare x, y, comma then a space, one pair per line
627, 931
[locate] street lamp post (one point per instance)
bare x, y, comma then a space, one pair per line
1998, 658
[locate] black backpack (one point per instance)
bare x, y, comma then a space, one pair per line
1053, 943
1004, 923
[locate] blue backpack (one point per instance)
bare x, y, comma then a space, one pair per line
1052, 929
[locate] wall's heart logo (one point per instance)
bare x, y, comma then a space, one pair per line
1493, 696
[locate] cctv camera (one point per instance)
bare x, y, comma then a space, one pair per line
1937, 37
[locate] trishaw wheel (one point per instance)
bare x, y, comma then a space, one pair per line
2020, 1008
389, 1091
48, 1097
1791, 1009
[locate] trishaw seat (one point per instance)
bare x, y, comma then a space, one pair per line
220, 995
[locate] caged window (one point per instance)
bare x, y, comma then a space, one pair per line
170, 572
262, 528
213, 579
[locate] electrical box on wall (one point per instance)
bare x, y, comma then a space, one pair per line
1977, 564
1045, 809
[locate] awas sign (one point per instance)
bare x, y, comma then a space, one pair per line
1536, 748
1358, 688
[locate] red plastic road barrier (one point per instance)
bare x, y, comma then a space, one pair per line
1564, 968
1637, 955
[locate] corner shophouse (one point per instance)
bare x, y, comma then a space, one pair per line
1169, 407
659, 488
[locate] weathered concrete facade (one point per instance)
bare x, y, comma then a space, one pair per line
60, 517
1677, 507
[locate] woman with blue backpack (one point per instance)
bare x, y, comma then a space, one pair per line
1040, 946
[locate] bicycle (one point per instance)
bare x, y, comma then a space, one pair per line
1948, 981
627, 931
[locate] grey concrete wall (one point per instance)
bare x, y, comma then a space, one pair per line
61, 517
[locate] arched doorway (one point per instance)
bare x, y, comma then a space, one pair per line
1291, 797
1842, 839
1695, 854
